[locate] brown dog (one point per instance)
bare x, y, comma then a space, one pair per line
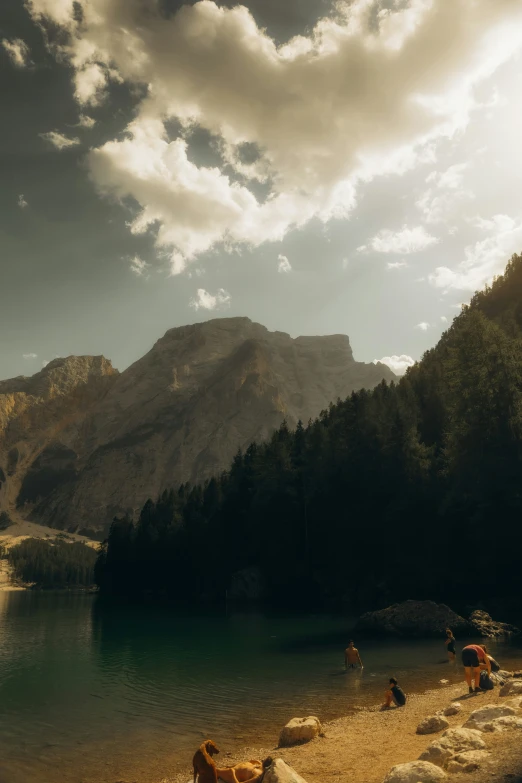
204, 768
244, 772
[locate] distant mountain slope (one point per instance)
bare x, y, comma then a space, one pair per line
80, 442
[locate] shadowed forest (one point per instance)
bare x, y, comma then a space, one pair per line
412, 490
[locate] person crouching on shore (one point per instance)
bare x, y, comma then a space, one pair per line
395, 695
474, 657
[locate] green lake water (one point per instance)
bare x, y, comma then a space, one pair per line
97, 694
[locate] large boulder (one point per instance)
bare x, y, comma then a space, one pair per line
299, 730
486, 626
503, 723
511, 688
412, 619
415, 772
487, 714
432, 724
279, 772
452, 742
468, 761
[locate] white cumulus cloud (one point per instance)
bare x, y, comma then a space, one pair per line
446, 194
483, 259
85, 121
58, 140
30, 356
302, 105
423, 326
284, 266
396, 265
22, 203
18, 52
403, 242
399, 364
444, 319
138, 266
206, 301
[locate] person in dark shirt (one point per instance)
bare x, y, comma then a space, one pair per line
395, 695
450, 644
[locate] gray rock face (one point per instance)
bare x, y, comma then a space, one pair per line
81, 443
432, 724
411, 619
489, 628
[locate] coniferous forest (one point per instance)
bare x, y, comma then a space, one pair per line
56, 564
412, 490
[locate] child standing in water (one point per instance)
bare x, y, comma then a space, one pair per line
450, 644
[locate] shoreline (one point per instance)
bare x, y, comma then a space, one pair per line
362, 747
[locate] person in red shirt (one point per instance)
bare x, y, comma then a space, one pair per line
472, 657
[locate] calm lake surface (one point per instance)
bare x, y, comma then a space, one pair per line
92, 694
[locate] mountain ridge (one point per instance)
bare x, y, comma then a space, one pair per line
81, 442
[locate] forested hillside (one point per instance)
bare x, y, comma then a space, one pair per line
412, 490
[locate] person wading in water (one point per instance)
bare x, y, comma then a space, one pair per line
352, 657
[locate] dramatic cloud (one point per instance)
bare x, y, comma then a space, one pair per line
399, 364
22, 203
138, 266
58, 140
86, 122
365, 93
403, 242
423, 326
396, 265
18, 52
206, 301
30, 356
284, 266
486, 258
441, 201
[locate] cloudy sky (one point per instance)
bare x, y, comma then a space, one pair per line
321, 167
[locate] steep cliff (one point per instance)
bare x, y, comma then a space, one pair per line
80, 443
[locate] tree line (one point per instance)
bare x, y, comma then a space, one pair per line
413, 489
56, 564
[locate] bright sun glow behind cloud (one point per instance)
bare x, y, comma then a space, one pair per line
317, 130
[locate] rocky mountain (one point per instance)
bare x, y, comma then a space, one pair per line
81, 443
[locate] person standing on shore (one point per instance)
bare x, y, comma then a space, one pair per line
473, 655
450, 644
395, 694
352, 657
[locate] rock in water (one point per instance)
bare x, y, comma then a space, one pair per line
279, 772
412, 619
486, 626
299, 730
415, 772
81, 443
432, 724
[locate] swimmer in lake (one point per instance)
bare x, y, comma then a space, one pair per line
450, 644
352, 657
